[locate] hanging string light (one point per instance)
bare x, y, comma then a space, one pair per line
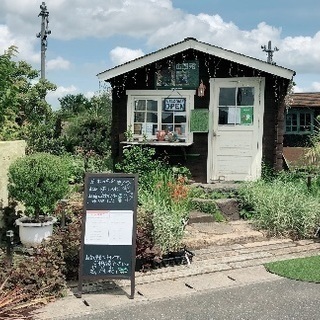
230, 70
216, 67
134, 78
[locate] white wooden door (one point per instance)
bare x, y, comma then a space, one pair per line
235, 135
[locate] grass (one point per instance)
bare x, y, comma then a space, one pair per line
304, 269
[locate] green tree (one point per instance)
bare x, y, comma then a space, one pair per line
86, 124
22, 97
73, 105
89, 128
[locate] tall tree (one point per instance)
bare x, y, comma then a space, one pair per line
22, 97
73, 105
89, 129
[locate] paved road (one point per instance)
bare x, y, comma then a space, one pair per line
270, 300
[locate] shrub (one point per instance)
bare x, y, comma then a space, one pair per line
46, 137
38, 181
146, 250
284, 208
75, 166
167, 199
41, 273
140, 160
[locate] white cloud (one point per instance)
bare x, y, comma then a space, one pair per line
214, 30
58, 63
24, 44
53, 96
314, 87
121, 55
89, 94
82, 18
301, 53
156, 22
62, 91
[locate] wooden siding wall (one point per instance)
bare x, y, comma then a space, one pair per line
195, 156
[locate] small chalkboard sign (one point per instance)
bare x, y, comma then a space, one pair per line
109, 224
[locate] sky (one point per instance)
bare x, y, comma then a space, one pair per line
88, 37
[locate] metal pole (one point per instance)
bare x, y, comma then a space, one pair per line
269, 52
10, 236
43, 34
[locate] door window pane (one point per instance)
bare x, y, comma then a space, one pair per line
227, 96
245, 96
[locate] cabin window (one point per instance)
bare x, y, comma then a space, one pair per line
156, 110
299, 122
236, 106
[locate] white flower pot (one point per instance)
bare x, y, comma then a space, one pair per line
31, 234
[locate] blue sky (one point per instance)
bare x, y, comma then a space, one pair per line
89, 37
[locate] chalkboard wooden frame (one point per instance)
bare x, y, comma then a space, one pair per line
101, 258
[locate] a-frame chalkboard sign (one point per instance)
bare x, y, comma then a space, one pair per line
108, 244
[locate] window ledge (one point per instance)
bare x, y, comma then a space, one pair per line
158, 143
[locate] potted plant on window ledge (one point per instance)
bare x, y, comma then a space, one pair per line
38, 182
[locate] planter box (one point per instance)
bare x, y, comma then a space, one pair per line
171, 259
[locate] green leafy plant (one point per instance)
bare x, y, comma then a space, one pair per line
163, 196
146, 250
283, 208
208, 206
22, 99
140, 160
129, 134
69, 237
167, 199
46, 136
38, 181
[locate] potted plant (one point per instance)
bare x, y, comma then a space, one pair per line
37, 181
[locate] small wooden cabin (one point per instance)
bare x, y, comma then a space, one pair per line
301, 119
221, 112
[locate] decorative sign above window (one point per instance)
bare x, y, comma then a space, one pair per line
174, 104
184, 75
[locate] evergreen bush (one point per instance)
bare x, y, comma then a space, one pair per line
39, 181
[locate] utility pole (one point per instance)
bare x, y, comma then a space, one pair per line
269, 52
43, 34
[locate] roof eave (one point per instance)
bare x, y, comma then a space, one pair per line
202, 47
